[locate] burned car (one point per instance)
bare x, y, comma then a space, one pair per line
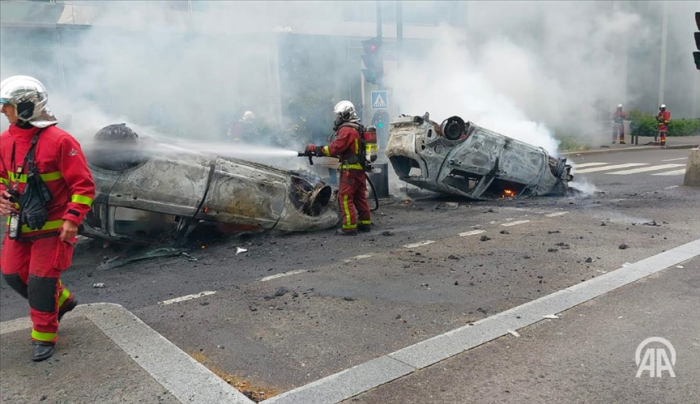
147, 190
461, 158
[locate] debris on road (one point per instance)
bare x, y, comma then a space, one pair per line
564, 246
551, 316
623, 246
240, 250
652, 223
150, 254
349, 299
514, 333
603, 224
504, 232
485, 238
98, 285
464, 159
554, 232
589, 260
447, 206
387, 233
552, 250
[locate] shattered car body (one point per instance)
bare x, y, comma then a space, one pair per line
464, 159
147, 190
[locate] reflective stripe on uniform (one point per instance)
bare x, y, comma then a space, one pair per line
50, 225
365, 222
85, 200
349, 226
351, 167
326, 151
22, 179
43, 336
4, 181
65, 295
347, 210
357, 146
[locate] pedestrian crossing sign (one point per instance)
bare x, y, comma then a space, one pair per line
380, 100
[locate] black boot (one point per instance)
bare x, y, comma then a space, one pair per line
41, 350
67, 307
341, 232
364, 228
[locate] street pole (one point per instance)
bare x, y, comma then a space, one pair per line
662, 73
399, 32
379, 21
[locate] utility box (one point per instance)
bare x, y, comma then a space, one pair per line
380, 179
692, 170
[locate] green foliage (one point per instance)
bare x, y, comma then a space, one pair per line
644, 124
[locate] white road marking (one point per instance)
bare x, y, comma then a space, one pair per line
186, 298
646, 169
674, 172
359, 257
606, 168
283, 274
515, 223
588, 165
555, 214
680, 158
419, 244
472, 233
671, 187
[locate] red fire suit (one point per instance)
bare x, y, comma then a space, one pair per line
33, 264
663, 119
619, 126
352, 193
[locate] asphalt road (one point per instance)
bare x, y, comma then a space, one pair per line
300, 307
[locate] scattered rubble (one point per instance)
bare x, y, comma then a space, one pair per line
485, 238
623, 246
240, 250
98, 285
387, 233
504, 232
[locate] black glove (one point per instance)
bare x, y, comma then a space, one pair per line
319, 151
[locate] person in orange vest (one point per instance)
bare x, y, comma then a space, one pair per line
619, 124
663, 118
46, 189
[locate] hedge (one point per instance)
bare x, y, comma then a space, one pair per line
644, 124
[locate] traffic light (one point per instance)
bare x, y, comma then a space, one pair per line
696, 54
380, 120
374, 63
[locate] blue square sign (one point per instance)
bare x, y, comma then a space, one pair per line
380, 100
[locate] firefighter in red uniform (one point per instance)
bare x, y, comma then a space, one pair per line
663, 118
346, 145
46, 189
619, 124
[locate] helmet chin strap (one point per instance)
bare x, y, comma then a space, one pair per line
24, 124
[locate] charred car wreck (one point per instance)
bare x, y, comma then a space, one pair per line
461, 158
149, 190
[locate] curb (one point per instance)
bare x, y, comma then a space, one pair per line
186, 379
626, 149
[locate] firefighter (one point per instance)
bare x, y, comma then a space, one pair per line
663, 118
619, 124
347, 145
46, 189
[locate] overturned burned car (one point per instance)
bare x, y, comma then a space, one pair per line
461, 158
148, 190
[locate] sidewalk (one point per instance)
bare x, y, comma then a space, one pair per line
645, 143
105, 354
587, 355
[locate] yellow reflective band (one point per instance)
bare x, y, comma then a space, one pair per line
81, 199
326, 151
351, 167
349, 226
53, 176
43, 336
347, 210
65, 295
51, 225
366, 222
4, 181
357, 146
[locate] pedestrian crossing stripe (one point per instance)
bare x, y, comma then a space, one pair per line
674, 172
608, 168
646, 169
589, 165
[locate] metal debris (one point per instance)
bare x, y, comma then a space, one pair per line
240, 250
156, 253
623, 246
98, 285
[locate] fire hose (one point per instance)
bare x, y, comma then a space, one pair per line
371, 184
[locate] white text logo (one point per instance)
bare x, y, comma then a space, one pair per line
655, 359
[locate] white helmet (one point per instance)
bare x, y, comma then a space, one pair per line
619, 105
30, 100
248, 116
344, 112
662, 107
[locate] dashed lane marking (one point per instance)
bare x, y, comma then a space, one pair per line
419, 244
680, 158
472, 233
555, 214
515, 223
589, 165
360, 257
186, 298
646, 169
607, 168
674, 172
283, 274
